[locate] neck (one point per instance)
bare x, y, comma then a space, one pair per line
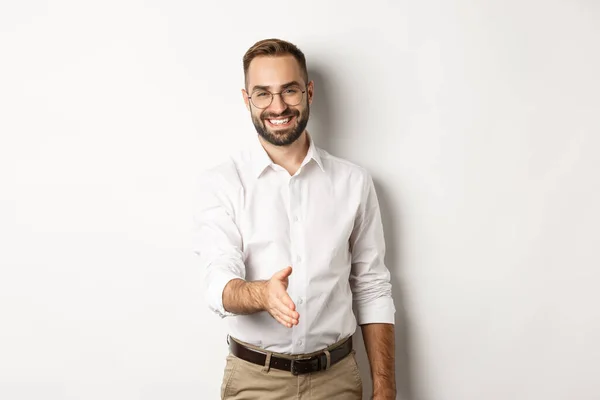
289, 157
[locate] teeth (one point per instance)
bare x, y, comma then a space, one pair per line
279, 121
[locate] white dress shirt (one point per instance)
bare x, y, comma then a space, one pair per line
254, 219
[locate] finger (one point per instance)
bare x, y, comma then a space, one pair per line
290, 319
287, 301
285, 310
282, 322
283, 274
281, 319
279, 314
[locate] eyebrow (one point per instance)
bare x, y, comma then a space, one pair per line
284, 86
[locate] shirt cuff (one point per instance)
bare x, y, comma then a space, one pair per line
215, 293
377, 311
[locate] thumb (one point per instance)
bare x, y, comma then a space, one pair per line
283, 274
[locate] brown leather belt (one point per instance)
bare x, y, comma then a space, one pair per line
299, 366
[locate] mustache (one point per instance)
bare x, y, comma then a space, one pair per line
284, 114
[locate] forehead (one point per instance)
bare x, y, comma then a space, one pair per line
273, 71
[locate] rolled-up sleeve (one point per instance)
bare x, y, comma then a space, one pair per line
217, 239
369, 277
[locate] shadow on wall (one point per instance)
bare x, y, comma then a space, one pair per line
323, 122
322, 113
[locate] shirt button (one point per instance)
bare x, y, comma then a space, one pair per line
296, 218
298, 258
300, 300
300, 342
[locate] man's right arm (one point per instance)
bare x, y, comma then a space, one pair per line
218, 242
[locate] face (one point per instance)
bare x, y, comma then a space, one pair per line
279, 124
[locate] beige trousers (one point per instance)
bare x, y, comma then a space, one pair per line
243, 380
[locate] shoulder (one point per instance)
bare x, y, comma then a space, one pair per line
341, 167
222, 180
229, 171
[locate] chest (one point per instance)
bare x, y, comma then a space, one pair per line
311, 214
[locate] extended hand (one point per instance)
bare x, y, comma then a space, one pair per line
276, 300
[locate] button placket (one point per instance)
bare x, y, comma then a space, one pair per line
299, 258
294, 210
292, 205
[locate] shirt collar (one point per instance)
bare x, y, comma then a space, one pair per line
261, 160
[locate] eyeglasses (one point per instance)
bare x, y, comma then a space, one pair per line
291, 96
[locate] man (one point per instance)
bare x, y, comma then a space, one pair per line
291, 239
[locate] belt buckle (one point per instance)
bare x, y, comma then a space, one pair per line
312, 361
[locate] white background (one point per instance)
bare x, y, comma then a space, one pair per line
478, 121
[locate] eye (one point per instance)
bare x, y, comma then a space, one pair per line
291, 91
260, 94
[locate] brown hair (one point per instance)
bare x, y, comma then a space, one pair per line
274, 47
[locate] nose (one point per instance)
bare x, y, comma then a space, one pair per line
277, 105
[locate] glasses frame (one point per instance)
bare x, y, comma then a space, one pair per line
273, 97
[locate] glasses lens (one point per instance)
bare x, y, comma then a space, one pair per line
261, 99
292, 96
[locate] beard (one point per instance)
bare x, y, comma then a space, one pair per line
281, 137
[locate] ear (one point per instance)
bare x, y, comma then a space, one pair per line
246, 99
310, 89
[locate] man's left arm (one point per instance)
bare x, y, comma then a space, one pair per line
372, 293
379, 342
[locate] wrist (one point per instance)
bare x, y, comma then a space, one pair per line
384, 390
261, 294
387, 394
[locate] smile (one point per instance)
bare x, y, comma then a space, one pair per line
280, 122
